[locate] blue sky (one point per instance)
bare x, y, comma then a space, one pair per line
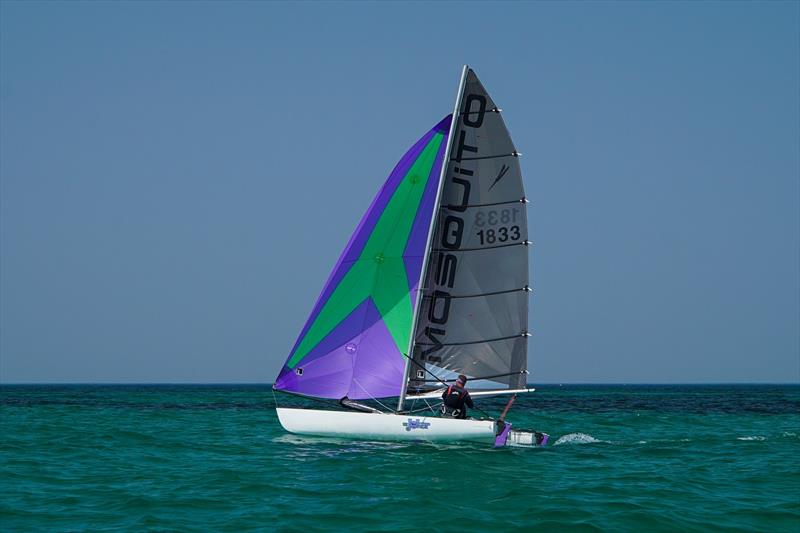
177, 179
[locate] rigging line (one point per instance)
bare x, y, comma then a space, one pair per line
512, 154
456, 250
326, 401
526, 288
274, 398
429, 405
428, 408
373, 397
488, 377
484, 341
442, 382
457, 207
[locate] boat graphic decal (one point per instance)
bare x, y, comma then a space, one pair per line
416, 423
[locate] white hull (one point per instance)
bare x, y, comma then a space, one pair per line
384, 426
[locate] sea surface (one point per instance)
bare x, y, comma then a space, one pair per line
215, 458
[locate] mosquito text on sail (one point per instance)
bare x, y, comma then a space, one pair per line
453, 228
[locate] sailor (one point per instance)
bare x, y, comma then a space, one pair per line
456, 399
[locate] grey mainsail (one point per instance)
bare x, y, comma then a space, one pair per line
474, 313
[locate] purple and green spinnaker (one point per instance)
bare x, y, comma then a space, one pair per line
353, 343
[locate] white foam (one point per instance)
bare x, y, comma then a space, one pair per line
753, 437
576, 438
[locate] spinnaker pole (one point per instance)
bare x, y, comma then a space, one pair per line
431, 230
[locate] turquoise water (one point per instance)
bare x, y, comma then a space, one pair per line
200, 458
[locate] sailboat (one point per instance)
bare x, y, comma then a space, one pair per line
432, 284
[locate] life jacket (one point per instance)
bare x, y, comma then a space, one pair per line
453, 402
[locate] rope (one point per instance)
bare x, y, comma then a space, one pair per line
431, 408
320, 400
372, 397
424, 409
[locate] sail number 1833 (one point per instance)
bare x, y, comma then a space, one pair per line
495, 218
501, 234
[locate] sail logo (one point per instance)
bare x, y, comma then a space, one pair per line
416, 424
502, 173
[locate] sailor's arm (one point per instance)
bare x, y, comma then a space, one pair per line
468, 400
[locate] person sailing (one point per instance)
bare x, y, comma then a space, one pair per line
456, 399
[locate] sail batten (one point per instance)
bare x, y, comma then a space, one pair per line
483, 294
479, 341
462, 207
495, 156
482, 248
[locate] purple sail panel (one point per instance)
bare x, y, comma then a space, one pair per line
358, 359
379, 367
327, 370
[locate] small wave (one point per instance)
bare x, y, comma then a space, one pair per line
788, 434
752, 437
660, 442
576, 438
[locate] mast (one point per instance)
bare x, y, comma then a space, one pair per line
431, 230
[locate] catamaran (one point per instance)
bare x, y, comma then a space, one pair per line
433, 283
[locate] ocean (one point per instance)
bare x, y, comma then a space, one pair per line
215, 458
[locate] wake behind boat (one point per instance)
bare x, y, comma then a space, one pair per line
452, 215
